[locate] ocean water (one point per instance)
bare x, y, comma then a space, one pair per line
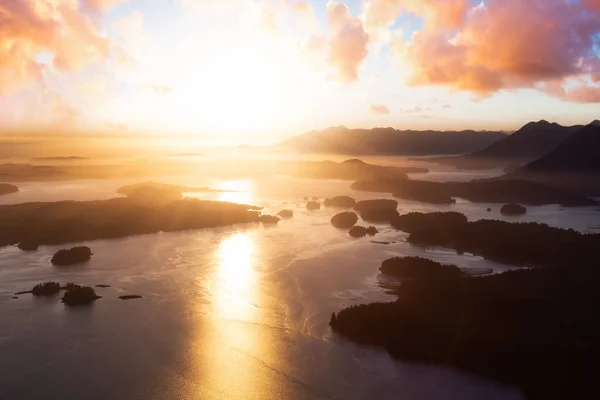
237, 312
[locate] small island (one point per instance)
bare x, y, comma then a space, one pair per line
130, 297
513, 209
345, 220
269, 219
419, 268
76, 255
285, 214
79, 295
6, 188
360, 231
340, 201
377, 210
313, 205
45, 289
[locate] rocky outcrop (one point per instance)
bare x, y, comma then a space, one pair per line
130, 297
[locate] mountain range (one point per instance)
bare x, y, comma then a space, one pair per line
390, 141
529, 143
573, 165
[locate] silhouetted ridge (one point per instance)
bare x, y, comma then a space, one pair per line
532, 141
341, 140
579, 153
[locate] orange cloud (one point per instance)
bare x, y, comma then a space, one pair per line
379, 109
103, 5
506, 44
348, 42
380, 15
29, 28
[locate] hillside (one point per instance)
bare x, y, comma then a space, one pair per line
579, 153
532, 141
573, 165
389, 141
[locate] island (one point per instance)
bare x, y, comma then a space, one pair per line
488, 191
361, 231
269, 219
313, 205
285, 214
340, 201
76, 255
350, 170
377, 210
52, 223
535, 328
6, 188
46, 289
79, 295
522, 244
513, 209
345, 220
130, 297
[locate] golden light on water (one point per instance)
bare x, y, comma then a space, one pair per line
233, 285
241, 191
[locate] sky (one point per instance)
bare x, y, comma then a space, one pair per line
256, 71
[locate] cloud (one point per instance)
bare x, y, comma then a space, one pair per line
29, 28
380, 15
102, 5
498, 46
379, 109
348, 41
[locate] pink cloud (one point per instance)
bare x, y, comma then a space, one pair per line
507, 44
348, 42
29, 28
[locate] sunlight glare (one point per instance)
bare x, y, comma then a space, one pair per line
234, 280
241, 191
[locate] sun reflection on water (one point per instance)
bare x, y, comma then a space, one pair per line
234, 281
241, 191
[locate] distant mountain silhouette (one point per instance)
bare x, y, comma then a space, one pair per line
579, 153
573, 165
390, 141
532, 141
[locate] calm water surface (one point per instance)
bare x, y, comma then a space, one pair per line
229, 313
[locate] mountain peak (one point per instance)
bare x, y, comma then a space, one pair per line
596, 123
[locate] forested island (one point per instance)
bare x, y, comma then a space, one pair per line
535, 327
494, 191
47, 223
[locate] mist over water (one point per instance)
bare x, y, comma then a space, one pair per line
236, 312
